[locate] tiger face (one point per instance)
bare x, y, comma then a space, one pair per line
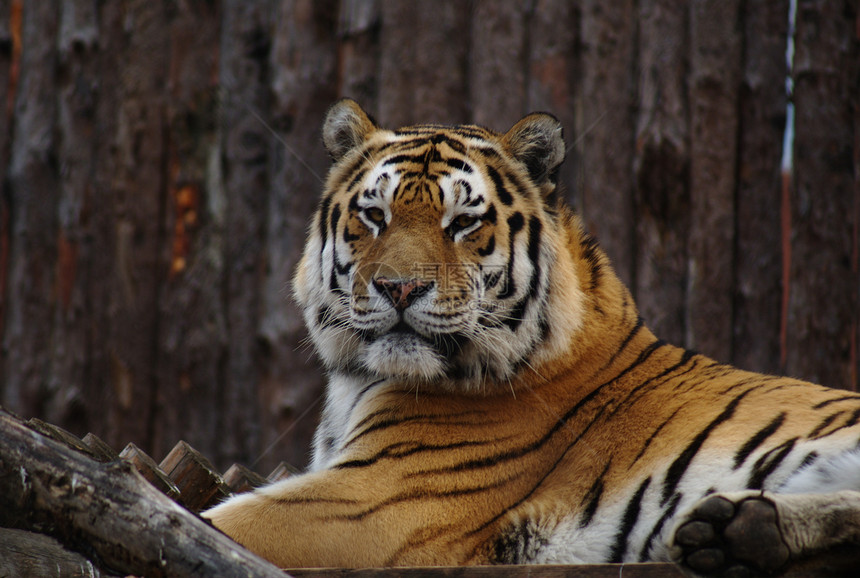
430, 257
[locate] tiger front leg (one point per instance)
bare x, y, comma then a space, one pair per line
307, 520
756, 533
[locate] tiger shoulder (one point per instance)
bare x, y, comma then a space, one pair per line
494, 396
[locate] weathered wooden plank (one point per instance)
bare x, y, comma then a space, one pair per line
607, 31
303, 88
497, 62
282, 471
101, 263
199, 485
132, 200
822, 302
397, 46
192, 328
661, 165
111, 511
715, 57
9, 55
78, 87
240, 479
32, 191
245, 74
423, 68
62, 436
149, 470
103, 452
758, 251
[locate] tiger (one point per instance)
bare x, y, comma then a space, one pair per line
495, 397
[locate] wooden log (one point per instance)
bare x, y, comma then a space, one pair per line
38, 556
150, 471
109, 510
240, 479
200, 486
60, 435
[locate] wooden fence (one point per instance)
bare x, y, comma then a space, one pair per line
160, 159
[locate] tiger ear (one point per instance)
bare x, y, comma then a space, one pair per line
346, 126
537, 142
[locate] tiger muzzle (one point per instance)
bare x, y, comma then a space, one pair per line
402, 293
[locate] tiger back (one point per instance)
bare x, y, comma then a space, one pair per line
495, 397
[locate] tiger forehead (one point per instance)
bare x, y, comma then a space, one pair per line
421, 148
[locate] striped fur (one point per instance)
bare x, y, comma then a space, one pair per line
515, 409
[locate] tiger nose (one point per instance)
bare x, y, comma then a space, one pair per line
402, 293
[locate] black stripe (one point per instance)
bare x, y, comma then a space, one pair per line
640, 323
654, 435
518, 185
503, 194
486, 151
682, 462
335, 217
852, 420
383, 424
356, 179
628, 522
490, 215
403, 159
459, 164
768, 463
516, 453
456, 146
338, 268
421, 494
519, 310
590, 256
835, 400
543, 478
823, 425
645, 552
592, 497
323, 224
808, 460
756, 440
488, 248
364, 392
348, 237
402, 449
515, 224
685, 358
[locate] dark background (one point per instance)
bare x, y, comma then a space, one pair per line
159, 161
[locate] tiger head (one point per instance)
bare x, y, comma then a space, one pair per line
437, 253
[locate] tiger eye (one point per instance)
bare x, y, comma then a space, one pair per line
375, 215
465, 221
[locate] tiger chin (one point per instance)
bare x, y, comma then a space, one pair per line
494, 396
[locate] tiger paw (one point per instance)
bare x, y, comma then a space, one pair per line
731, 535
